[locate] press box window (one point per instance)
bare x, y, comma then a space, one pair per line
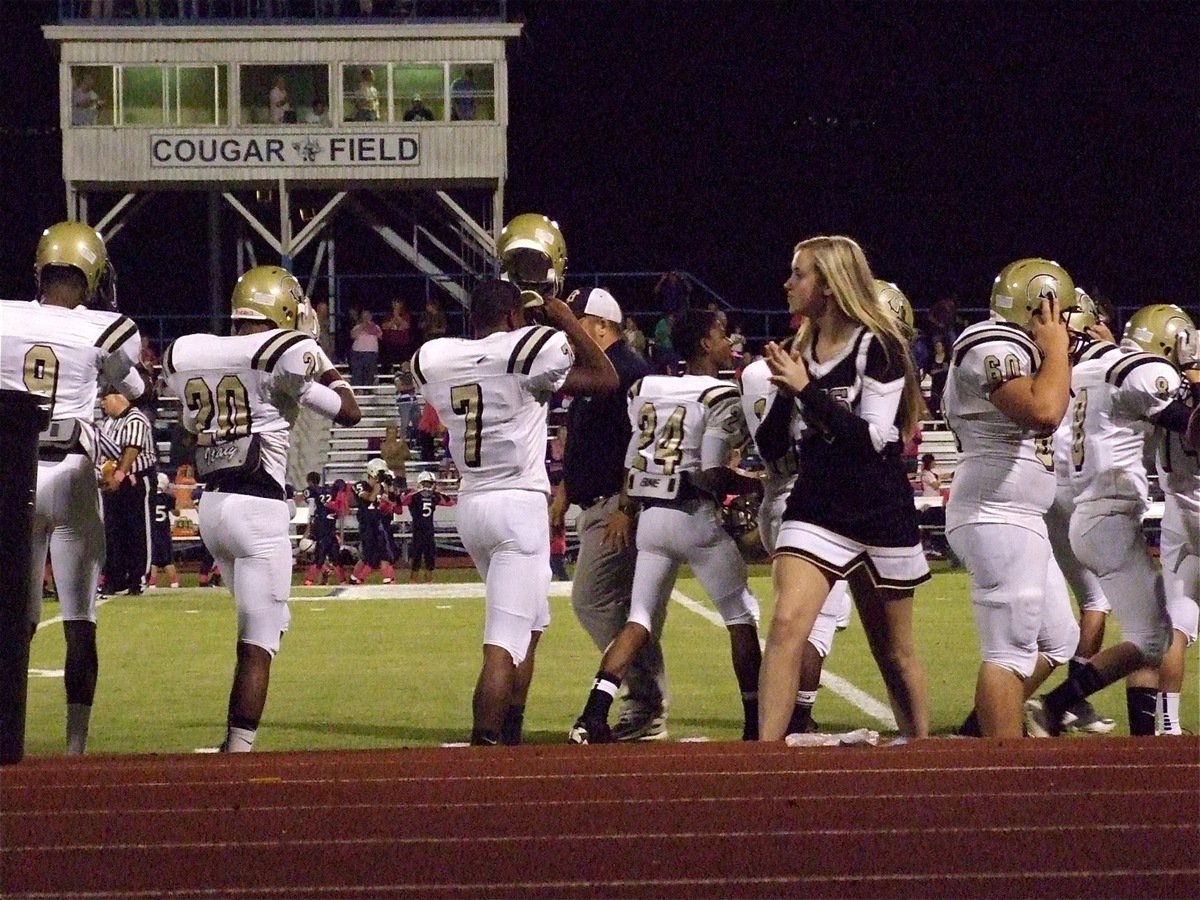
284, 95
472, 92
419, 91
365, 93
93, 89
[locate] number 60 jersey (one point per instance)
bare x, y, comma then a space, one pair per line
491, 395
236, 386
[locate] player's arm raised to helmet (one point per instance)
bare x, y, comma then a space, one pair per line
593, 372
348, 413
1039, 401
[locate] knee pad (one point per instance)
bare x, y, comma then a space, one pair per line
740, 608
821, 636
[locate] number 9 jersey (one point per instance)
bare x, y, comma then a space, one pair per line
1003, 469
491, 395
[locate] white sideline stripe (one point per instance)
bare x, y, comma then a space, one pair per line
856, 697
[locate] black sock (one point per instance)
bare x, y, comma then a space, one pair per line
234, 721
1080, 683
481, 738
1140, 703
514, 720
600, 699
800, 720
970, 726
750, 711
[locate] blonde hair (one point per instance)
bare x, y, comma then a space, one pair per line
842, 266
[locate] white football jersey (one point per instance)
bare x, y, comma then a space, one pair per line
491, 395
1115, 396
683, 423
1003, 468
1179, 470
758, 393
235, 386
65, 354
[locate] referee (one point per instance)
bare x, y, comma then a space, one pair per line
598, 433
128, 495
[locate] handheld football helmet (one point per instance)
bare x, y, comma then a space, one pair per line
376, 467
1021, 286
892, 297
80, 247
1154, 329
533, 256
1084, 314
164, 482
269, 294
426, 479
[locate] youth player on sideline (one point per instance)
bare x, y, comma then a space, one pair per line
240, 395
162, 551
1120, 394
323, 509
852, 381
1006, 392
421, 505
491, 391
59, 350
684, 430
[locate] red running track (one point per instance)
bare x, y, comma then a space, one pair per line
1096, 817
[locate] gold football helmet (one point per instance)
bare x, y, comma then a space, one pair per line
1084, 314
892, 297
533, 255
269, 294
1021, 287
80, 247
1154, 329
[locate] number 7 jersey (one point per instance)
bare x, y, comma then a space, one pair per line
491, 395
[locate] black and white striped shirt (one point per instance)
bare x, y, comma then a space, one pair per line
133, 429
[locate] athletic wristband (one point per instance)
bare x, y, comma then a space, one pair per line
321, 399
340, 383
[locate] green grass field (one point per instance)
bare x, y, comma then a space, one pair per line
375, 673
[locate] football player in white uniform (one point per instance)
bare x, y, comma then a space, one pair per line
240, 396
684, 429
491, 393
850, 381
1178, 463
1120, 395
1006, 392
56, 348
758, 393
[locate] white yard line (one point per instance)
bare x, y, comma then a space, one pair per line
855, 696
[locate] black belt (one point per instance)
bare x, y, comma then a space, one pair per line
247, 488
599, 498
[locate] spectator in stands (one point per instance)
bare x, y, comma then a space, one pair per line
394, 450
931, 481
396, 344
433, 323
366, 98
462, 97
318, 114
672, 293
912, 449
408, 410
429, 433
665, 358
737, 341
326, 339
939, 368
634, 336
364, 351
418, 112
85, 102
148, 356
933, 517
277, 101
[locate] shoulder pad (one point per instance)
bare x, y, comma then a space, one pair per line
995, 332
276, 344
1120, 370
529, 345
718, 393
116, 334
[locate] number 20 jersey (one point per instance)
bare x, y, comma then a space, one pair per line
1003, 469
491, 395
246, 384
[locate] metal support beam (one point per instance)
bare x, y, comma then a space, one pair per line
253, 222
285, 226
318, 222
486, 242
118, 217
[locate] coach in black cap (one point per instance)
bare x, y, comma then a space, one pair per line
598, 432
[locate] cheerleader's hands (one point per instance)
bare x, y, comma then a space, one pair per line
788, 371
